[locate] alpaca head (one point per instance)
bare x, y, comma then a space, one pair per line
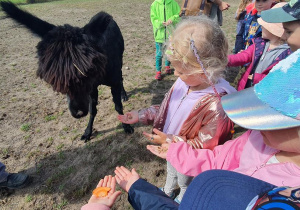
71, 65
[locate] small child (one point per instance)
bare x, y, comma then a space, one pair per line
250, 28
263, 54
241, 12
163, 14
191, 108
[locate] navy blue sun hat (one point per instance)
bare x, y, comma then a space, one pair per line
221, 189
287, 13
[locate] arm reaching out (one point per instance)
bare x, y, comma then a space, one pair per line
129, 117
108, 201
126, 178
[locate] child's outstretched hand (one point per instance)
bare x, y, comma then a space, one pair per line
224, 6
109, 199
160, 151
157, 138
126, 178
129, 117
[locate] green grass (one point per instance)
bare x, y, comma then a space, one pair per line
28, 198
25, 127
50, 117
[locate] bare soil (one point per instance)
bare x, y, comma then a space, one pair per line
38, 136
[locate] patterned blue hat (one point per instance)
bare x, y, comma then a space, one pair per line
272, 104
289, 12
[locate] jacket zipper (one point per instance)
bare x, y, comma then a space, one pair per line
165, 20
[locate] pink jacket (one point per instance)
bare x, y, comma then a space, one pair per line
247, 155
252, 55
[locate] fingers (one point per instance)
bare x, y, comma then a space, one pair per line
122, 118
100, 184
133, 171
149, 136
153, 149
121, 174
158, 132
105, 181
158, 150
113, 184
121, 171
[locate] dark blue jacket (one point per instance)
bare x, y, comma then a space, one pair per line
143, 195
242, 37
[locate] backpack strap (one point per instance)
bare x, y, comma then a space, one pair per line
202, 5
184, 8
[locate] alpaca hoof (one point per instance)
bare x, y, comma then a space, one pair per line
85, 137
124, 97
128, 128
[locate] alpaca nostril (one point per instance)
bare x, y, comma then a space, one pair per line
79, 113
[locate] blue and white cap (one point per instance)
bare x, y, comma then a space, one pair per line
272, 104
287, 13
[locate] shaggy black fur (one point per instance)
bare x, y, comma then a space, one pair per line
75, 61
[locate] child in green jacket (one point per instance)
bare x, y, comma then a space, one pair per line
163, 14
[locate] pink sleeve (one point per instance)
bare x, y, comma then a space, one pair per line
258, 77
241, 58
192, 162
95, 206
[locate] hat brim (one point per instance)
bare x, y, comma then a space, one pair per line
277, 15
246, 110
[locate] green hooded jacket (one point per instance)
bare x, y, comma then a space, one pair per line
161, 11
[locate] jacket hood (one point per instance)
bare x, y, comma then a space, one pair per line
224, 86
283, 46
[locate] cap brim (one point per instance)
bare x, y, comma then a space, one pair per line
246, 110
277, 15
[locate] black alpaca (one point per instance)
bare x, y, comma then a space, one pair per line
75, 61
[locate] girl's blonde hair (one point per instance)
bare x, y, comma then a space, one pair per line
210, 43
242, 6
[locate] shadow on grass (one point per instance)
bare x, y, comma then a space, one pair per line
74, 172
25, 2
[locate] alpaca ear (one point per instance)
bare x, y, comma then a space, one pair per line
97, 24
31, 22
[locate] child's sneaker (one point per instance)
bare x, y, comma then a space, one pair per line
168, 70
177, 200
158, 75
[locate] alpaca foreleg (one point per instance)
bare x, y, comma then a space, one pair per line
123, 92
116, 93
93, 101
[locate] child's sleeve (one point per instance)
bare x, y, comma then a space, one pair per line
216, 130
154, 16
192, 162
241, 58
147, 115
95, 206
175, 11
239, 42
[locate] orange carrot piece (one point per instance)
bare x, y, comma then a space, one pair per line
101, 191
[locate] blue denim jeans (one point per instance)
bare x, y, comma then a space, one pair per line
3, 173
159, 55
